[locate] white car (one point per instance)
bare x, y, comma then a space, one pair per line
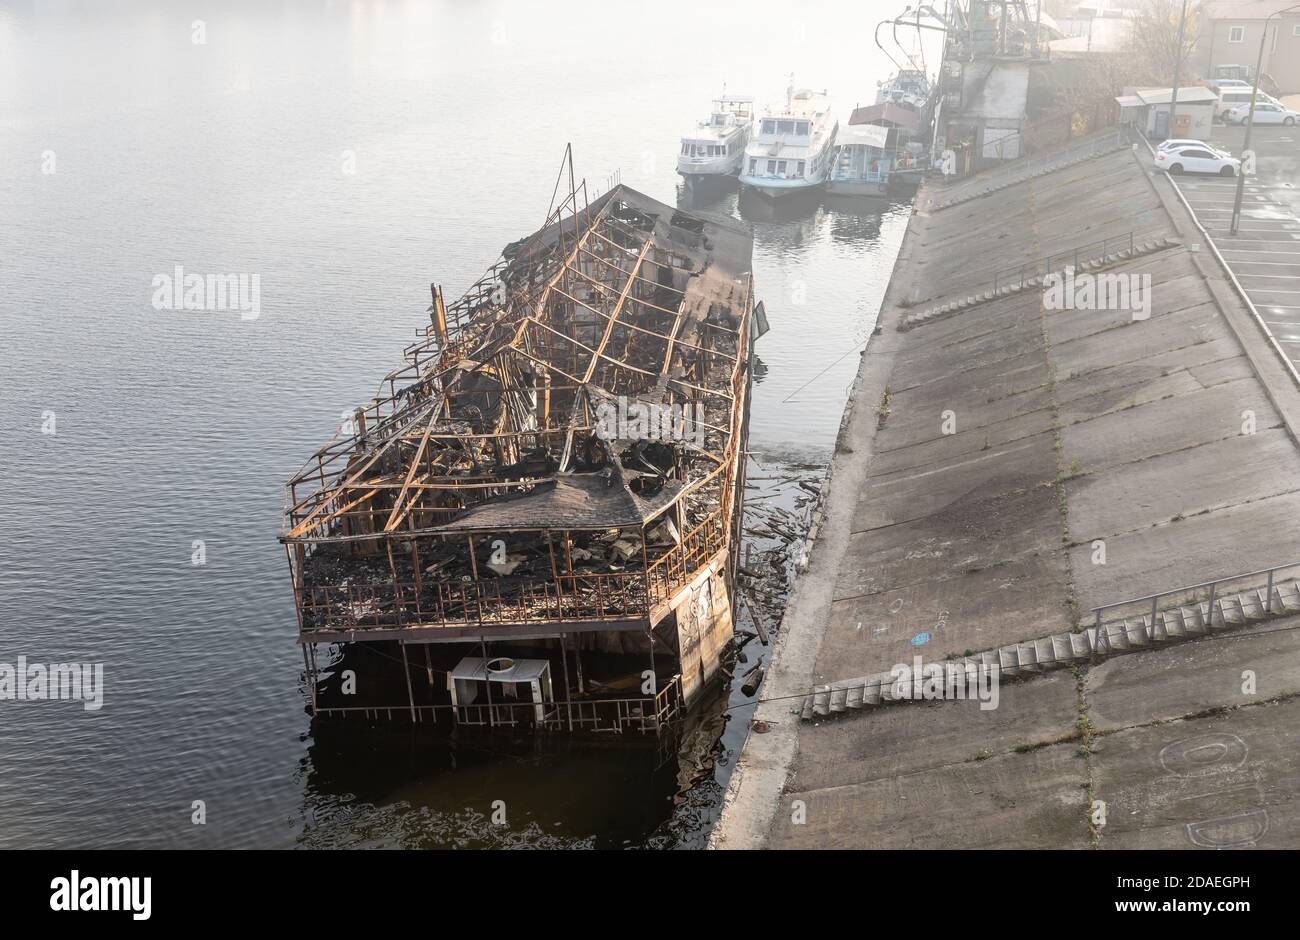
1196, 158
1266, 112
1178, 142
1230, 98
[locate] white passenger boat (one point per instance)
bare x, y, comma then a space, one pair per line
716, 146
790, 150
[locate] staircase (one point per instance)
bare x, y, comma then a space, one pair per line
1105, 638
1006, 286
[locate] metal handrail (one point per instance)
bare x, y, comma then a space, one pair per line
1046, 261
1154, 599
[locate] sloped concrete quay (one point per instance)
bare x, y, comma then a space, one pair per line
1001, 470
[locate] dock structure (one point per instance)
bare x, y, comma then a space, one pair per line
1095, 498
549, 486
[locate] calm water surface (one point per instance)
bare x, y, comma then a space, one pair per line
229, 156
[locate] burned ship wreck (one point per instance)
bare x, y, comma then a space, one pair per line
538, 517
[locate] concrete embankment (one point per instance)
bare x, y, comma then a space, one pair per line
989, 449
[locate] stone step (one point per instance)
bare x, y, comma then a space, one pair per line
1214, 615
1056, 650
1116, 638
1062, 651
1289, 595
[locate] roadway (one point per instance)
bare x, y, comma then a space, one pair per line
1265, 253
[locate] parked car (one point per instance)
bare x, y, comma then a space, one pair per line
1230, 98
1229, 83
1233, 73
1175, 143
1197, 158
1265, 113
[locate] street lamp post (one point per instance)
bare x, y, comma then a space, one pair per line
1250, 120
1178, 66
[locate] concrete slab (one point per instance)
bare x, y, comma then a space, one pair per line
1176, 298
1022, 599
975, 435
1082, 340
874, 744
1213, 476
1224, 781
1081, 380
1131, 434
1192, 678
1001, 360
976, 397
1108, 397
954, 490
1017, 801
993, 532
1248, 537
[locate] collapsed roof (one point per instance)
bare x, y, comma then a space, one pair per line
494, 421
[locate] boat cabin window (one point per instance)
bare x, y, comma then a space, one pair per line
785, 127
769, 127
799, 168
753, 166
803, 129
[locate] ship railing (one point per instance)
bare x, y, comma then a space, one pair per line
582, 596
645, 713
386, 605
667, 574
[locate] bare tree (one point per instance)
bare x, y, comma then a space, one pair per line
1153, 41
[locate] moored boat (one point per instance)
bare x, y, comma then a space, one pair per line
716, 146
790, 150
861, 165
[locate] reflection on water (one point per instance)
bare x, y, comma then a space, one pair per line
388, 784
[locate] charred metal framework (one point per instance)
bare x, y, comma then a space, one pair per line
480, 498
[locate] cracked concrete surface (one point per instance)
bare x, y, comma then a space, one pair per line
1170, 438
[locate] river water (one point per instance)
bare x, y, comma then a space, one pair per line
348, 154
